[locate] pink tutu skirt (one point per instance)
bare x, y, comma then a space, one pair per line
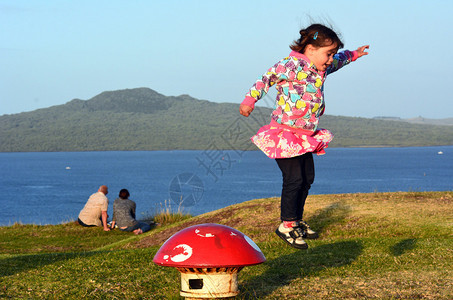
281, 141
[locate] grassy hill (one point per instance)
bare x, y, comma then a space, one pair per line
371, 246
142, 119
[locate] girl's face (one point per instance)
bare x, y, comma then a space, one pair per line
321, 57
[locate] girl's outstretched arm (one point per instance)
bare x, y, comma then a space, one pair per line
343, 58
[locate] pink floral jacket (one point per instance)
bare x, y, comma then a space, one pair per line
300, 101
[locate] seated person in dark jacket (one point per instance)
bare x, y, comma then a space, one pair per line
124, 215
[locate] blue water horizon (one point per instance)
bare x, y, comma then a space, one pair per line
52, 187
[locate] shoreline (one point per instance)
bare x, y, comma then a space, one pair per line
258, 199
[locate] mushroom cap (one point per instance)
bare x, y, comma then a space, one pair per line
209, 245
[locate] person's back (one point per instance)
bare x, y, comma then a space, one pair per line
96, 206
124, 212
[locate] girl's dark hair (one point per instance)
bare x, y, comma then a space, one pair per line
124, 194
318, 36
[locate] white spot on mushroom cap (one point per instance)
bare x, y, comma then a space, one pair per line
184, 255
197, 231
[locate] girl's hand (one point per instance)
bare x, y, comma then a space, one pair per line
245, 110
361, 50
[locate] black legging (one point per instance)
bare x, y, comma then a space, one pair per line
85, 225
298, 175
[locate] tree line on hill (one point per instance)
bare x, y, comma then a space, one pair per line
142, 119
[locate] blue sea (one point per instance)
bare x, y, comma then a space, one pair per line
51, 188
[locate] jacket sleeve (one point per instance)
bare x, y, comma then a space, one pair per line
341, 59
262, 85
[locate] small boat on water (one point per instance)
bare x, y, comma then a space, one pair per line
440, 152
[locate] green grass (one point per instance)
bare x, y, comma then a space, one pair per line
68, 237
372, 246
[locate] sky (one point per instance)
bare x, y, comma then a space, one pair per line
54, 51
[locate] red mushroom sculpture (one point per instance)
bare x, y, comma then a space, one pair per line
209, 257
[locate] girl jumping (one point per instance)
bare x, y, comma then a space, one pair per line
293, 134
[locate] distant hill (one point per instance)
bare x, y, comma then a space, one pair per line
142, 119
420, 120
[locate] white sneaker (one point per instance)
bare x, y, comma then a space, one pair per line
292, 236
308, 232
